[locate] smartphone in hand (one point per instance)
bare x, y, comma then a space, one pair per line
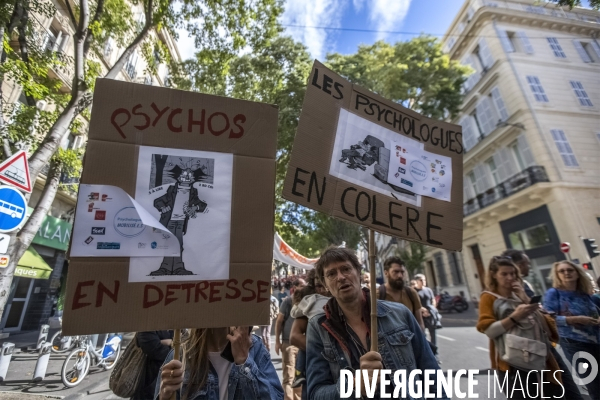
535, 299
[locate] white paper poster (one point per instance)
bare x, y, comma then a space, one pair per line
361, 155
189, 192
109, 223
425, 173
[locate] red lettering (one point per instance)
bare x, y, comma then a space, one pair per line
200, 291
248, 298
187, 286
192, 122
104, 290
241, 118
170, 292
159, 113
113, 120
141, 114
265, 290
236, 291
150, 303
80, 296
210, 123
170, 120
213, 292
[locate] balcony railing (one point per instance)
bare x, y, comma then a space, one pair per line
518, 182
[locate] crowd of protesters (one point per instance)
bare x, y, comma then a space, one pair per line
322, 326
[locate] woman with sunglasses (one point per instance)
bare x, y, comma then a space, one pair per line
220, 364
576, 310
504, 282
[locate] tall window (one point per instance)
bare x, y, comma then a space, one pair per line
440, 269
564, 148
473, 181
491, 165
486, 116
500, 106
556, 48
588, 51
581, 94
514, 148
537, 89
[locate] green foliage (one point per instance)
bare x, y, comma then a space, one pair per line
595, 4
416, 74
413, 257
70, 164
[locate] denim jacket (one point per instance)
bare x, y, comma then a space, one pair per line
256, 379
401, 343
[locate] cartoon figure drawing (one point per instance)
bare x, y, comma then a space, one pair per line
177, 206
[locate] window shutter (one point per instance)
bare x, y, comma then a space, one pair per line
485, 54
468, 192
527, 47
582, 53
64, 42
505, 164
486, 116
470, 12
595, 47
474, 77
482, 178
525, 151
469, 138
505, 40
500, 106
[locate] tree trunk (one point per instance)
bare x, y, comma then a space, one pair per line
20, 243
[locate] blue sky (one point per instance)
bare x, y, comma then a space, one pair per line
414, 16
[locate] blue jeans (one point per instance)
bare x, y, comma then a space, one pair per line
570, 347
301, 361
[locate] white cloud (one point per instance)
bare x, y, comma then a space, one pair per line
387, 15
313, 13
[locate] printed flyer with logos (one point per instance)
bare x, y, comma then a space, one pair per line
420, 171
110, 223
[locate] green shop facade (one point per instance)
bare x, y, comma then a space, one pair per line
36, 285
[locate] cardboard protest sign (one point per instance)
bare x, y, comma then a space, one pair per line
368, 160
202, 168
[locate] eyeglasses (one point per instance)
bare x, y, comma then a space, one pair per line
332, 274
566, 271
499, 258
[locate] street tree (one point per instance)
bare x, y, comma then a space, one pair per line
223, 27
595, 4
413, 257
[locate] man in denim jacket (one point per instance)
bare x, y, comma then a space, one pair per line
340, 338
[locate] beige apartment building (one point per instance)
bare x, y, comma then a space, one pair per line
38, 277
531, 130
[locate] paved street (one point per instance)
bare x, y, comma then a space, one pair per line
460, 347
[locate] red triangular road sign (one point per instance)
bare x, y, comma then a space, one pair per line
15, 171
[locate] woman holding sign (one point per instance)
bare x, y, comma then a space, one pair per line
220, 364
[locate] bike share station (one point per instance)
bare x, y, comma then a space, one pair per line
35, 283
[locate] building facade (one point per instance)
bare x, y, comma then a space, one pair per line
531, 133
41, 272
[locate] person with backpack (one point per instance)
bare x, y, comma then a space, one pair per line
265, 331
570, 300
513, 324
431, 316
395, 289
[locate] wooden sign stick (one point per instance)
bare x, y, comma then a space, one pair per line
372, 257
176, 343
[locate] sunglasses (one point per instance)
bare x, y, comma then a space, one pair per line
502, 258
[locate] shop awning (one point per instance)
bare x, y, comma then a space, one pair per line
32, 265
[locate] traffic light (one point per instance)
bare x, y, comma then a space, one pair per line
592, 248
586, 266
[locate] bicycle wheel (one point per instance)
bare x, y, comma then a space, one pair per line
75, 368
60, 344
110, 362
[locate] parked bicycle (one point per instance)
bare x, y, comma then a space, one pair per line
62, 344
79, 361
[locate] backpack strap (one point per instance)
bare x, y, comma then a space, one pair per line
382, 292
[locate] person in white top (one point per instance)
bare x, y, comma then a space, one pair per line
220, 364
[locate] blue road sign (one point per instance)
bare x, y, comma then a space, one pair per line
13, 209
